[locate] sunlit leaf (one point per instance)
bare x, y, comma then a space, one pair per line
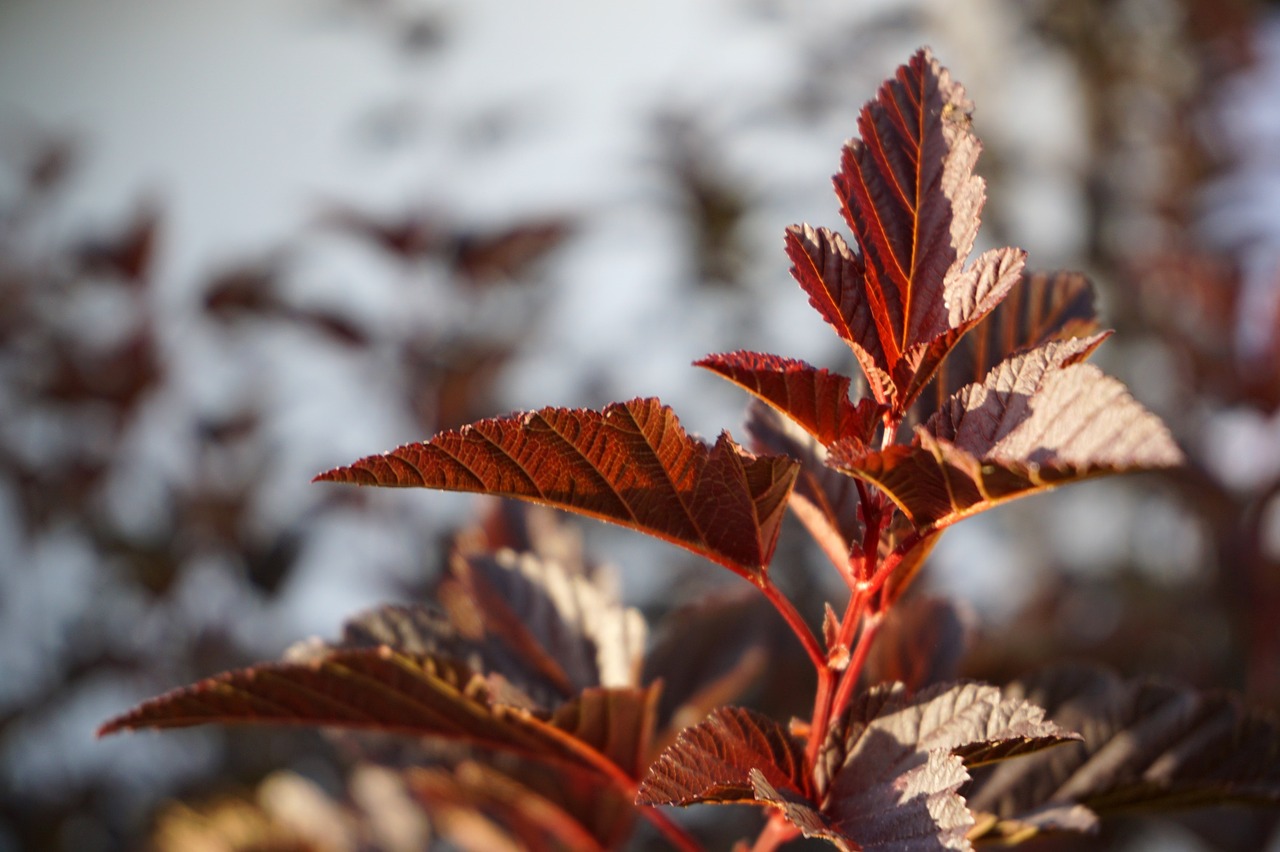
1033, 423
1041, 308
818, 400
975, 721
631, 464
891, 767
909, 195
713, 761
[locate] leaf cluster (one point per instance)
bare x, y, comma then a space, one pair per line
975, 390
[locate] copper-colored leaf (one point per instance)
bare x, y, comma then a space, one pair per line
910, 197
372, 688
713, 761
618, 723
1146, 744
892, 765
380, 689
1032, 424
834, 276
631, 464
1042, 307
826, 501
818, 400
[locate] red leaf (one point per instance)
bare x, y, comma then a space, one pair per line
818, 400
713, 761
475, 807
835, 278
380, 689
373, 688
631, 464
1146, 745
891, 767
1031, 425
618, 723
826, 501
1042, 307
909, 195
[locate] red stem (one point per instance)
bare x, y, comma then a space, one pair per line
849, 678
776, 832
797, 623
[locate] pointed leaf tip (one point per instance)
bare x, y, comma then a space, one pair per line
631, 464
816, 399
912, 202
1039, 419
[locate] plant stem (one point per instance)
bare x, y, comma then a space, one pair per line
776, 832
821, 713
849, 678
787, 609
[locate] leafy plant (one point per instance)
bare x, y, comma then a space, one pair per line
546, 726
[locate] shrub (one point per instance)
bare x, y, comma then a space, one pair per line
526, 696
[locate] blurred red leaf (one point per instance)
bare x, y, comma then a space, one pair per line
920, 642
478, 808
382, 689
506, 254
127, 254
1146, 745
632, 464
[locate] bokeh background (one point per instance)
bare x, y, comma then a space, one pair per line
243, 242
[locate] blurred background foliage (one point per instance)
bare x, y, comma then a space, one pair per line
164, 400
